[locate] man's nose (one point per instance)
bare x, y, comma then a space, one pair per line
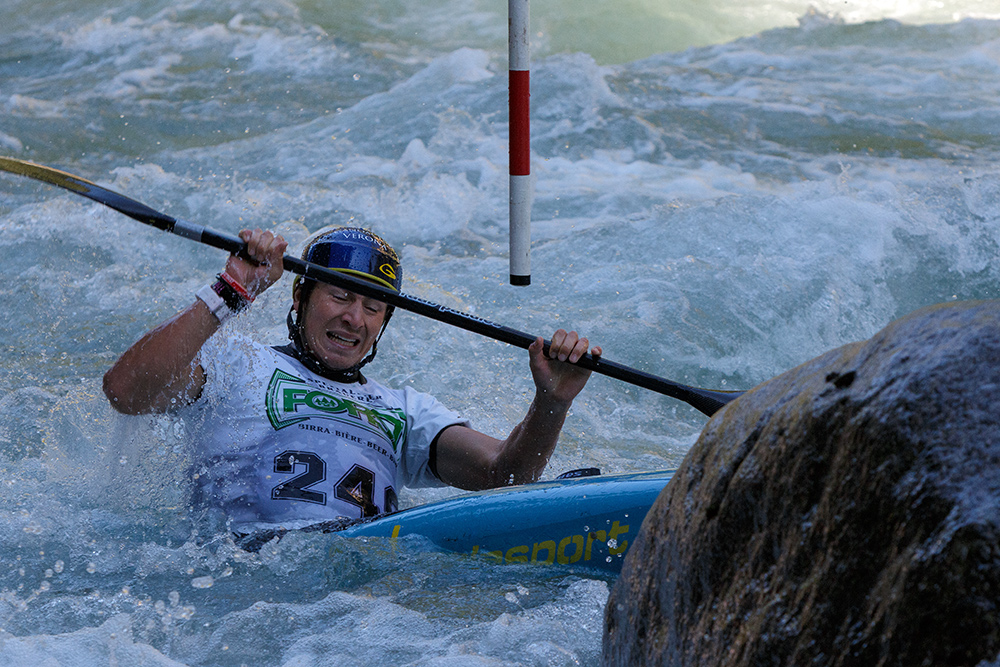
353, 313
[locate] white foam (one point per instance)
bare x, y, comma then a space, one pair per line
110, 643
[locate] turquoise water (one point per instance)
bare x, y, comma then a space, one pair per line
723, 190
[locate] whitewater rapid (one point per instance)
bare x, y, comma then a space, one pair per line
722, 191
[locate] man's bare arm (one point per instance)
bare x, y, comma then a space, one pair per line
160, 371
472, 460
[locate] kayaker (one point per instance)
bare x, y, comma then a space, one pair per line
296, 435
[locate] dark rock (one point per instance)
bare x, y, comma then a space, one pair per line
844, 513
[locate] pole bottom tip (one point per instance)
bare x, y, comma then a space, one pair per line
520, 281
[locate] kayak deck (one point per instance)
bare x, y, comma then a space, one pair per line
586, 521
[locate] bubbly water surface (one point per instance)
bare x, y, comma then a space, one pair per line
723, 190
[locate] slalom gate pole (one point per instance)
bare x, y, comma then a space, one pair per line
520, 142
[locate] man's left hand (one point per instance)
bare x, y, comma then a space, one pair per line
556, 376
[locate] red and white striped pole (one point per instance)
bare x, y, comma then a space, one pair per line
520, 143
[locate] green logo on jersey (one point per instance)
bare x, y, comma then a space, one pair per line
291, 400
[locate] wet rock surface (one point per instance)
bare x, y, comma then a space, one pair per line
846, 512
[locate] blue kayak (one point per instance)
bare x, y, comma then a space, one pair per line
584, 521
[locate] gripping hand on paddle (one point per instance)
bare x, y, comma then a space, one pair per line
262, 264
555, 379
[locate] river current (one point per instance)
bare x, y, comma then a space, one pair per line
723, 190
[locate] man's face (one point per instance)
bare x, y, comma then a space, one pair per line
339, 326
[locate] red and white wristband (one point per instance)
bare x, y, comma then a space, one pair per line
225, 298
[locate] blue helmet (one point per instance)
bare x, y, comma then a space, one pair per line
356, 252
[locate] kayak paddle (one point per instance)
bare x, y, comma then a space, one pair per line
706, 400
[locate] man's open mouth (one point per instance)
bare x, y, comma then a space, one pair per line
340, 339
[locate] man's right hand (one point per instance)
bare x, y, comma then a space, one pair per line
265, 265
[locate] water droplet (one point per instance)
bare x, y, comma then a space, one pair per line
203, 582
91, 568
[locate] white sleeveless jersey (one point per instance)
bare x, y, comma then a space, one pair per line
280, 446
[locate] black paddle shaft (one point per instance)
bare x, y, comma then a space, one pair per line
706, 400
